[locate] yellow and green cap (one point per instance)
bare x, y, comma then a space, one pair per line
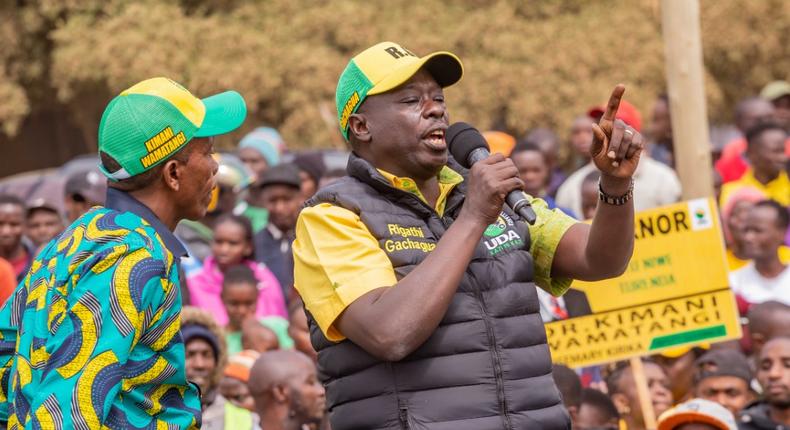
149, 122
384, 67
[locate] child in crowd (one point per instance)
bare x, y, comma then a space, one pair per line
298, 329
258, 336
233, 385
240, 298
232, 246
622, 389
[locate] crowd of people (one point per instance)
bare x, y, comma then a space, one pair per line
246, 334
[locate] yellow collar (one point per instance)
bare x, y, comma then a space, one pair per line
448, 179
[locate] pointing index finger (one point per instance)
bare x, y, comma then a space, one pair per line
614, 103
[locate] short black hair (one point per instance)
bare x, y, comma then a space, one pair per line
762, 315
239, 274
616, 374
782, 216
240, 220
601, 402
10, 199
753, 134
525, 145
569, 384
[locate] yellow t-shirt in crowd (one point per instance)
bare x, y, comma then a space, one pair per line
778, 189
337, 259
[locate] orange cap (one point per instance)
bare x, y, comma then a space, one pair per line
500, 142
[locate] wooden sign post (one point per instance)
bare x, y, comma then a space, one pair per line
686, 89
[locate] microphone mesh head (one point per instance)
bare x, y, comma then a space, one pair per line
462, 139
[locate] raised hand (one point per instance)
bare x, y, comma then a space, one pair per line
616, 147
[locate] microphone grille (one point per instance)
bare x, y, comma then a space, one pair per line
462, 139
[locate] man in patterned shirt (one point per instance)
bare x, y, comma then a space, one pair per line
91, 337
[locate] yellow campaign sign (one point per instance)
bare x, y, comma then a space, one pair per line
674, 293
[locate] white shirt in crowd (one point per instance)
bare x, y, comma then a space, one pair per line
755, 288
655, 184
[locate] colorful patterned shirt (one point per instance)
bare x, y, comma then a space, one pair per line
91, 337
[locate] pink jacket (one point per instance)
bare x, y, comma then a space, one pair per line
205, 289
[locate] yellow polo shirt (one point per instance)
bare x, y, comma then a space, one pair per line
337, 259
778, 189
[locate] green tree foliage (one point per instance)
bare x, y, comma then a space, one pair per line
527, 63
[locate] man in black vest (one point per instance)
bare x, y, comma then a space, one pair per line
418, 284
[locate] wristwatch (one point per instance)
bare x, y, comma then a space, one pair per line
616, 200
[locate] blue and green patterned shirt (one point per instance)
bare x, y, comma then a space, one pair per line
91, 337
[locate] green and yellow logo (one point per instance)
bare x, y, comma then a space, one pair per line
495, 229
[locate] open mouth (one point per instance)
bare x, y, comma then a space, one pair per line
435, 140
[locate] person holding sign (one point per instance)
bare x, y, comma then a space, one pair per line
419, 284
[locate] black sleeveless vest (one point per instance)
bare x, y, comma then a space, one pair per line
487, 365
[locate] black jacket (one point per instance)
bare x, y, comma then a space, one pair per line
487, 366
756, 417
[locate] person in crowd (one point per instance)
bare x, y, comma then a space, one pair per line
570, 387
13, 247
279, 191
499, 142
7, 280
232, 246
580, 138
765, 151
749, 112
589, 195
286, 390
765, 277
405, 218
299, 330
622, 389
311, 168
260, 149
549, 144
778, 93
533, 168
114, 326
83, 190
773, 374
256, 336
655, 184
767, 320
678, 363
331, 176
233, 385
596, 412
240, 296
206, 357
733, 217
661, 146
42, 223
724, 376
697, 414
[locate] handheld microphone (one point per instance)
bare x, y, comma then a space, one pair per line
468, 147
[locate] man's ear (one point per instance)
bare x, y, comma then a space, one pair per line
172, 173
281, 393
758, 340
620, 401
358, 126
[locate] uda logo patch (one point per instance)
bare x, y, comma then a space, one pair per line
500, 236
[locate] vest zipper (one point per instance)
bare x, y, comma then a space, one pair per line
500, 384
404, 418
